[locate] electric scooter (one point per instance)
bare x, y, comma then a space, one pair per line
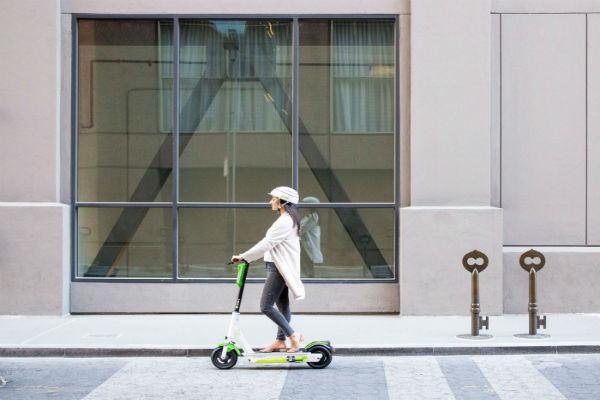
316, 354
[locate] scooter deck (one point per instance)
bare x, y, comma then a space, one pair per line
283, 357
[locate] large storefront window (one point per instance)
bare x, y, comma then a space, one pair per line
235, 131
146, 252
327, 250
185, 125
124, 146
347, 109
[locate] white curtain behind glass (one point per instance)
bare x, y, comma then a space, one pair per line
239, 53
363, 76
165, 71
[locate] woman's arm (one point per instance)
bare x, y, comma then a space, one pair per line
275, 235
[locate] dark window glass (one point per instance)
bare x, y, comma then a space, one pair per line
235, 109
235, 120
208, 237
107, 251
125, 137
341, 243
347, 243
347, 110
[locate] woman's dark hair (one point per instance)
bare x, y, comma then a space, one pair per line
293, 211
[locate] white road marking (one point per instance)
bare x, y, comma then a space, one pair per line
515, 378
189, 378
416, 378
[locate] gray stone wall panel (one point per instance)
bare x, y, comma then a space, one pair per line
32, 259
568, 283
28, 112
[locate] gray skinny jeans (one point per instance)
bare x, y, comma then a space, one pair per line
276, 292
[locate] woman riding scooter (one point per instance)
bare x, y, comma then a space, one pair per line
280, 249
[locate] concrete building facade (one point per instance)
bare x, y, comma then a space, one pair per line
139, 140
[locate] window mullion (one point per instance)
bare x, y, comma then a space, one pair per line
175, 163
295, 116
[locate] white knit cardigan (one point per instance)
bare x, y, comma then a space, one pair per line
283, 244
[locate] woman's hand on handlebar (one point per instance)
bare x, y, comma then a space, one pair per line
236, 259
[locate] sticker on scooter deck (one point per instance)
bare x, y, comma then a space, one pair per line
290, 359
284, 358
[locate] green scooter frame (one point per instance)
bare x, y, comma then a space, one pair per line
316, 354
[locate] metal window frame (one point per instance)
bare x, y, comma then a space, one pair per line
176, 204
175, 164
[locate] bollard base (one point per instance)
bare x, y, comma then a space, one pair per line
528, 336
478, 337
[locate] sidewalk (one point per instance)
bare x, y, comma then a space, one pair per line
198, 334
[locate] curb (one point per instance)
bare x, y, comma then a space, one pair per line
340, 351
467, 350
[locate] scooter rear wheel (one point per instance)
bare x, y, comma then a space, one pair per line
326, 357
229, 361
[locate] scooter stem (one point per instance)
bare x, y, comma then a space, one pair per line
243, 267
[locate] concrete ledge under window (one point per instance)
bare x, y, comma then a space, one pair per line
108, 297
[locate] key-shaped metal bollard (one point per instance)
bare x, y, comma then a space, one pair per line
475, 262
532, 261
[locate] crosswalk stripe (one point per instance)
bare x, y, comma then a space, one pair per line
189, 378
515, 378
416, 378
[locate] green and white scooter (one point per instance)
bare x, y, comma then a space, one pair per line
316, 354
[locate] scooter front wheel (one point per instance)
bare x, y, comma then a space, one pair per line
226, 363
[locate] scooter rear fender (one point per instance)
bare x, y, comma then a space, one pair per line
322, 343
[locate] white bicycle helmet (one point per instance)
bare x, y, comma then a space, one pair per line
310, 199
285, 193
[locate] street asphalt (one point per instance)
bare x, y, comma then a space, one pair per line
508, 377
